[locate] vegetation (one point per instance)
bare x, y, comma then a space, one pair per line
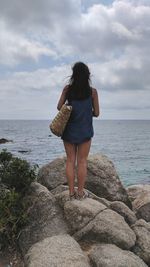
15, 177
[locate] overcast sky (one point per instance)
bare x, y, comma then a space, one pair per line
41, 39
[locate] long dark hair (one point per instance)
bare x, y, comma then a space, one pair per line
79, 83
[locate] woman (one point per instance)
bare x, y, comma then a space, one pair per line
79, 130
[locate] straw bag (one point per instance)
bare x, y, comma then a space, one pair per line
57, 126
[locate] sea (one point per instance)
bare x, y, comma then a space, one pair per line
125, 142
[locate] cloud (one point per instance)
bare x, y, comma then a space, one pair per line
99, 33
35, 13
114, 40
122, 74
15, 48
33, 94
30, 29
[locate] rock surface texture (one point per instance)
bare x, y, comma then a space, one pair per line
99, 231
124, 211
102, 178
140, 197
108, 255
80, 213
56, 251
142, 246
108, 227
53, 174
45, 218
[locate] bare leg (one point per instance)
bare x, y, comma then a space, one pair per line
82, 154
70, 164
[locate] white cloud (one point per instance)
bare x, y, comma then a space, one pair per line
16, 48
98, 33
33, 94
114, 40
34, 13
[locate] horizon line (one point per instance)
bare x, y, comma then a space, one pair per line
52, 119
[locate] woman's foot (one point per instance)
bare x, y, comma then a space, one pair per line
83, 195
72, 196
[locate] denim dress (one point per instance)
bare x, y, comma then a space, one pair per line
80, 125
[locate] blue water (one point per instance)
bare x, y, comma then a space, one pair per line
125, 142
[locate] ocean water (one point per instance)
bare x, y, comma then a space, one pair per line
125, 142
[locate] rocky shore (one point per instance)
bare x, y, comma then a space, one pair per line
4, 140
110, 228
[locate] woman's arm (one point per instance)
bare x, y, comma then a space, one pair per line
62, 99
95, 100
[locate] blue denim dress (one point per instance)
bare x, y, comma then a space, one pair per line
80, 125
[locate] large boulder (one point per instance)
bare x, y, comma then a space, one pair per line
108, 227
142, 245
102, 178
124, 211
140, 197
79, 213
93, 221
45, 217
109, 255
53, 174
56, 251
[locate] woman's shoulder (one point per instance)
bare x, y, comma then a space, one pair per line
66, 88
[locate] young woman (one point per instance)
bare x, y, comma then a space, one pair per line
79, 130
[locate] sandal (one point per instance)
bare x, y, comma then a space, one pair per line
83, 196
72, 196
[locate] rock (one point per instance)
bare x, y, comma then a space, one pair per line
140, 196
102, 200
59, 189
108, 227
45, 217
24, 151
102, 178
79, 213
142, 245
62, 192
124, 211
53, 174
109, 255
62, 198
135, 190
4, 140
56, 251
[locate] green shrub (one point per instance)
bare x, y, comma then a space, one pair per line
16, 174
13, 217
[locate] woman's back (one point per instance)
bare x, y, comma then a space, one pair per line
80, 124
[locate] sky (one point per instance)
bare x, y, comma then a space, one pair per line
40, 40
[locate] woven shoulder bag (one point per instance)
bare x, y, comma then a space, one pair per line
58, 124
